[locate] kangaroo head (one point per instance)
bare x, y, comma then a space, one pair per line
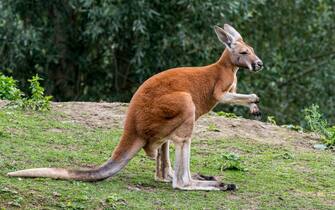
241, 54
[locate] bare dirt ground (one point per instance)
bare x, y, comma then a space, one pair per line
112, 115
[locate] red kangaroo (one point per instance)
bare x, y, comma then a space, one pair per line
165, 108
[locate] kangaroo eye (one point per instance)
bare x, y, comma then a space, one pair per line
244, 52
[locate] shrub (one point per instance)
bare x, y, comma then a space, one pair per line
37, 101
316, 123
8, 89
231, 161
330, 140
271, 120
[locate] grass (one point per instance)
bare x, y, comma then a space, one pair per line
278, 176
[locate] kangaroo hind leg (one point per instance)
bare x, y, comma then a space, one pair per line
182, 178
164, 171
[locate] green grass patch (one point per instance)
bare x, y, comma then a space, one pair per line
277, 176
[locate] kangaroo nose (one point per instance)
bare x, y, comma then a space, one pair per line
257, 65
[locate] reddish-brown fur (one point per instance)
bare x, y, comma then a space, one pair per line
157, 107
167, 105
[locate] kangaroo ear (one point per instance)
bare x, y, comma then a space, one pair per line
232, 31
224, 37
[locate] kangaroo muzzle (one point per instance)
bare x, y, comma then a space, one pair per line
257, 65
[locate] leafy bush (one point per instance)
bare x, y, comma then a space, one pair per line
37, 101
231, 161
316, 123
330, 140
8, 89
272, 120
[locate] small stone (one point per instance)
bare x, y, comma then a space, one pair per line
320, 146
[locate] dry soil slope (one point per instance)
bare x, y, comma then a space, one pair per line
112, 115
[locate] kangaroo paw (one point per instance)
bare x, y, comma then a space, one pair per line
204, 177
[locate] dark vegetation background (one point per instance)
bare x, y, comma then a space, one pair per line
104, 49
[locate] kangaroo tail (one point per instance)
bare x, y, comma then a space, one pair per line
126, 149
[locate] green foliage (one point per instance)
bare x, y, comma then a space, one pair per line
315, 120
114, 201
3, 133
226, 114
103, 50
330, 140
8, 89
213, 127
72, 206
16, 202
316, 123
272, 120
286, 156
37, 101
230, 161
